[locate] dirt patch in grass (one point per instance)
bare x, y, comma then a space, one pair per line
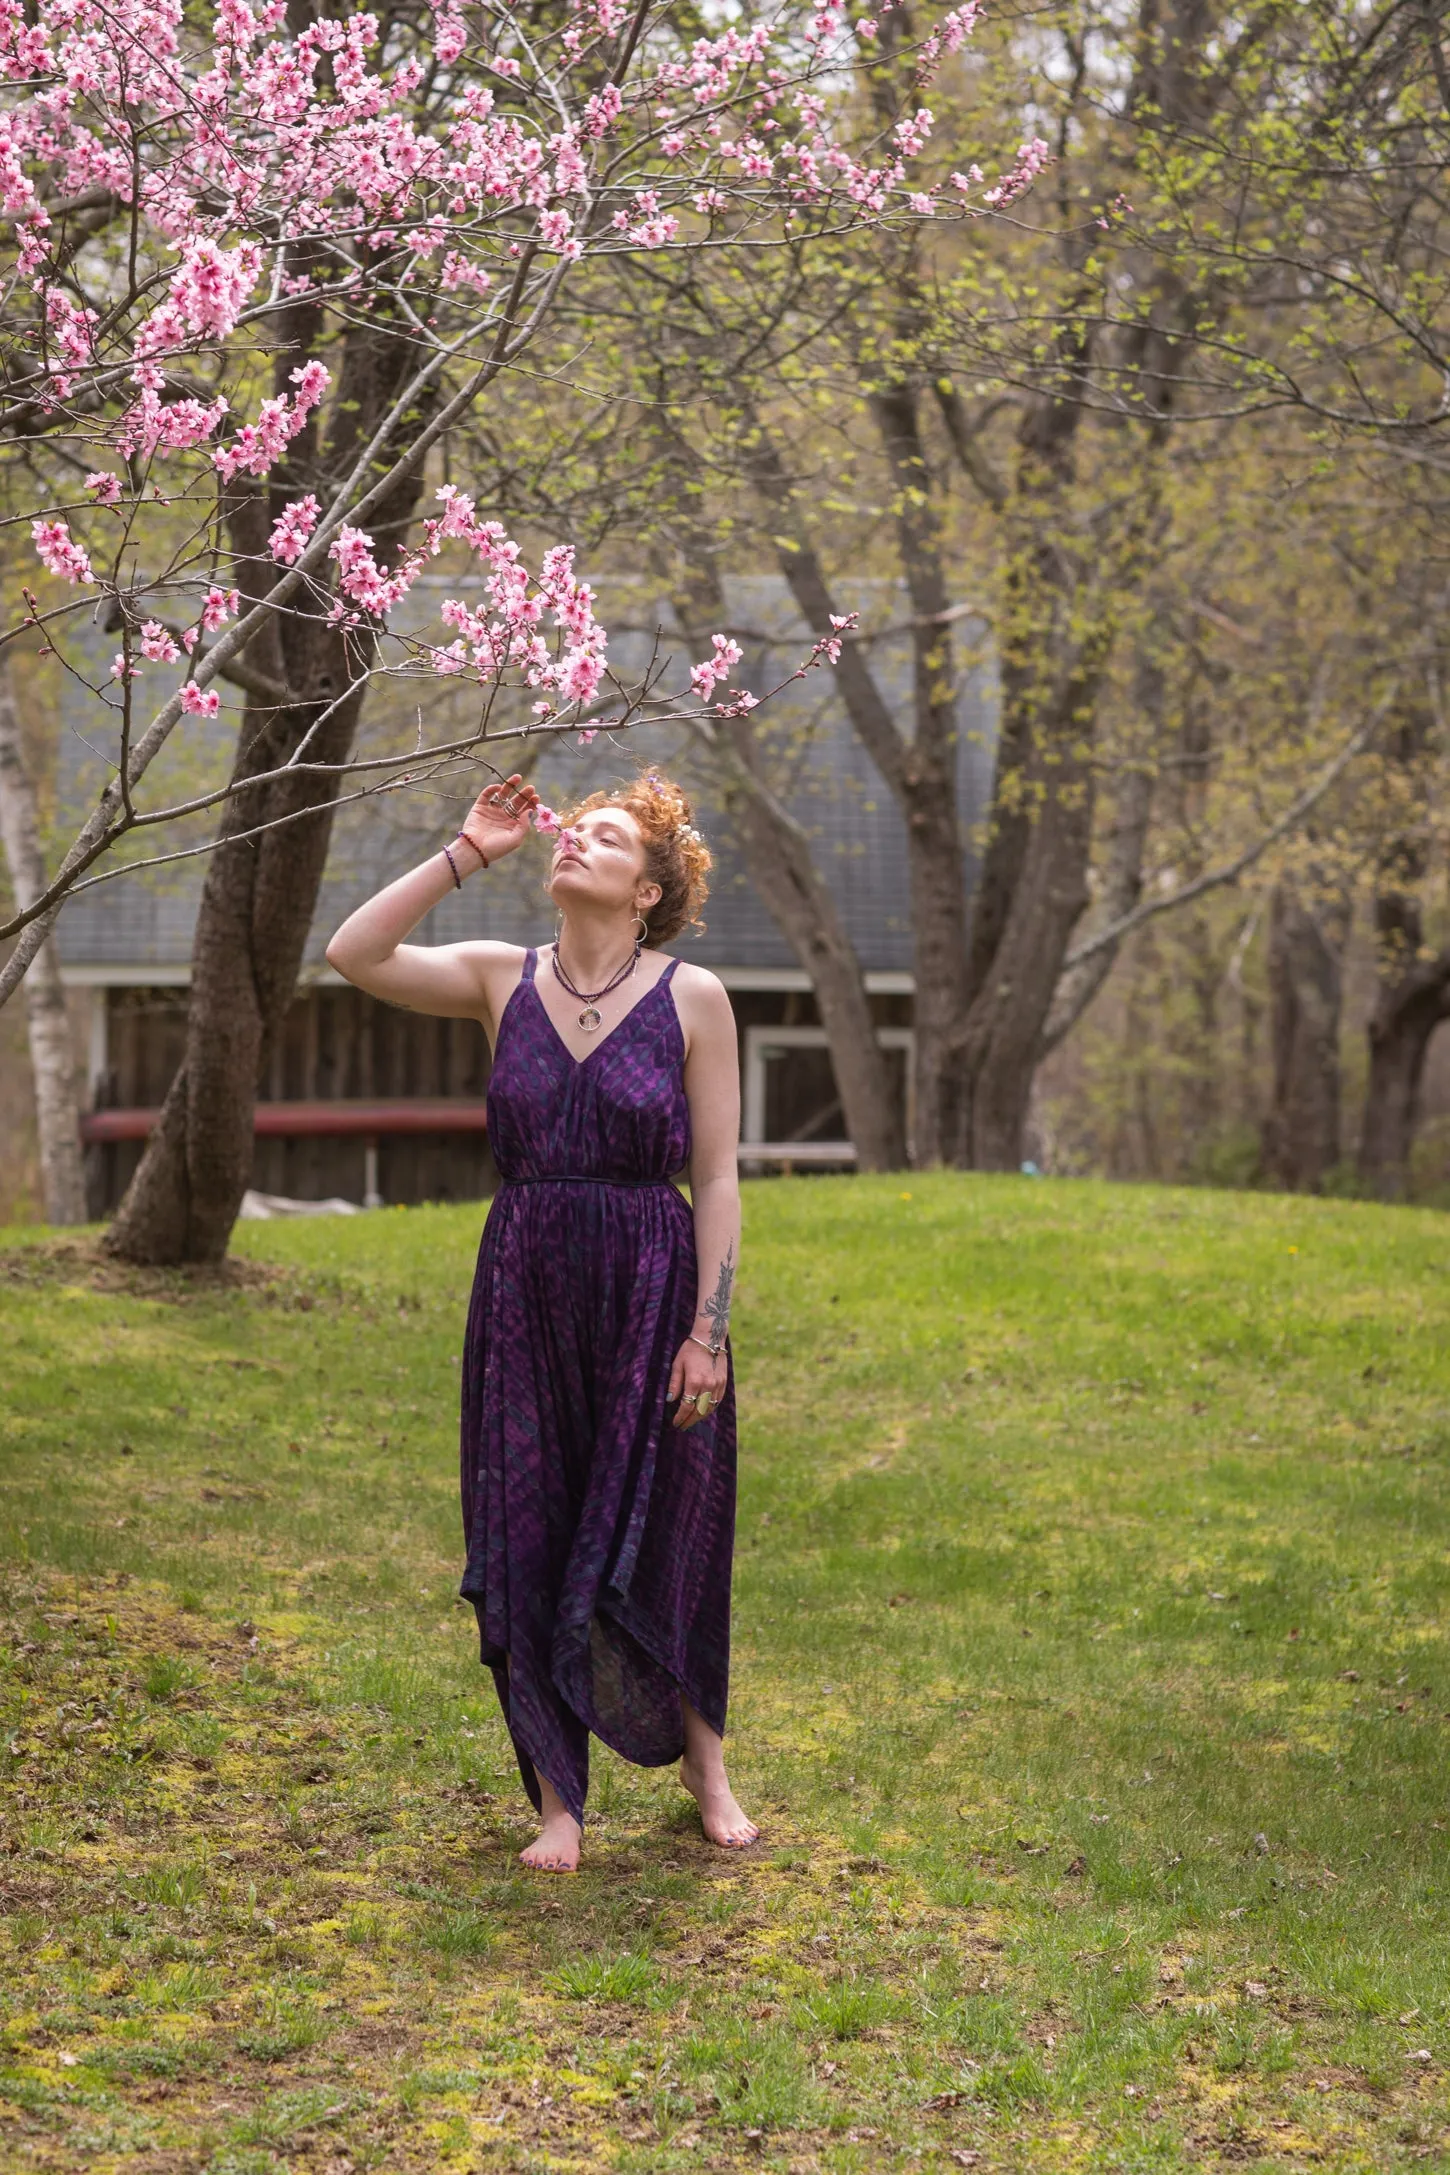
83, 1262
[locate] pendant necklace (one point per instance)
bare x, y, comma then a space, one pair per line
589, 1016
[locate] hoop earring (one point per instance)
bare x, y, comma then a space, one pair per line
643, 928
558, 926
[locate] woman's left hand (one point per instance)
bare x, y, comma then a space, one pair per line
694, 1373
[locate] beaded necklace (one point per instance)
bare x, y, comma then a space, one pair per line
589, 1017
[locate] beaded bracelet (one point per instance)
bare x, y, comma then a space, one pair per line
453, 865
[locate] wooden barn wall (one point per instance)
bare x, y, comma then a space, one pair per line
336, 1045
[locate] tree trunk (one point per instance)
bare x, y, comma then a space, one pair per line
52, 1053
782, 868
1057, 629
1414, 997
920, 770
1118, 894
1414, 980
778, 854
260, 893
1306, 957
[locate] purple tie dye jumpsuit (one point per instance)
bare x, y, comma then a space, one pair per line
598, 1538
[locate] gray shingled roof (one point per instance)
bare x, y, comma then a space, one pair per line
146, 920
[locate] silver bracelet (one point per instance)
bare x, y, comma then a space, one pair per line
714, 1350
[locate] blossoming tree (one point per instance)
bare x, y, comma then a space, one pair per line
262, 260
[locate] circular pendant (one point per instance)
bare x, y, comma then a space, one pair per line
589, 1018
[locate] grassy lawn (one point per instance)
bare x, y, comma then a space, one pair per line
1090, 1684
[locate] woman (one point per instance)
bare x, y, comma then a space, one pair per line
598, 1435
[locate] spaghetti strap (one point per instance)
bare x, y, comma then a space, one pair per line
669, 970
531, 960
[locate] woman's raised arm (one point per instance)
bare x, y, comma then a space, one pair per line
447, 980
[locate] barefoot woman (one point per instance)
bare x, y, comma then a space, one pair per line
598, 1431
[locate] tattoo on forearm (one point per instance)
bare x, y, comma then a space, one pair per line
717, 1306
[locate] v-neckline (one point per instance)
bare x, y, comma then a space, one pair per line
595, 1048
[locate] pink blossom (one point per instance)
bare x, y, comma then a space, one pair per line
58, 551
450, 36
867, 29
829, 646
259, 446
654, 233
291, 530
157, 644
104, 488
912, 133
603, 110
219, 606
580, 677
545, 819
1031, 159
460, 271
211, 288
363, 580
179, 424
199, 701
69, 327
719, 667
960, 23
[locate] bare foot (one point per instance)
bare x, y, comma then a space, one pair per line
555, 1849
720, 1816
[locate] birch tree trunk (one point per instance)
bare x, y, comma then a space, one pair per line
52, 1053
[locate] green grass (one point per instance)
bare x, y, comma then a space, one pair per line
1090, 1686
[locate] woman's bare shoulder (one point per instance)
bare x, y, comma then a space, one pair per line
703, 1003
690, 976
697, 985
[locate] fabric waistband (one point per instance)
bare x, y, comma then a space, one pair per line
585, 1178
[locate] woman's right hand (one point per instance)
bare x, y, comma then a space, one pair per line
499, 819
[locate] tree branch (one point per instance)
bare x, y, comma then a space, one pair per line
1215, 879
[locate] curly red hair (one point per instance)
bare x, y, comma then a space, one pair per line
675, 856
